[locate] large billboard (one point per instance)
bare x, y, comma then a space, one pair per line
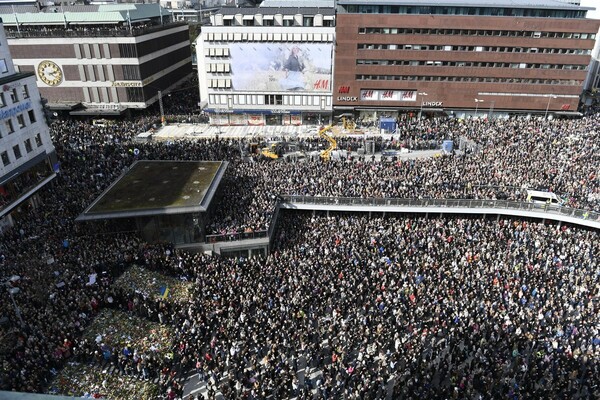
281, 67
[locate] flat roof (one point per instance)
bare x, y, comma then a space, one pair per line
297, 3
277, 10
541, 4
158, 188
31, 396
81, 14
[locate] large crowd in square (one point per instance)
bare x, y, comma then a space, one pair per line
403, 306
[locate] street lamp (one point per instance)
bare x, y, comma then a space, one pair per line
421, 110
548, 105
477, 101
162, 111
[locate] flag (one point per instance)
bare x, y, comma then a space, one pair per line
164, 292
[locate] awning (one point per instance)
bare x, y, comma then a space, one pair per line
568, 113
98, 111
63, 106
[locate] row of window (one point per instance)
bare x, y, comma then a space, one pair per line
414, 63
14, 95
564, 82
10, 127
474, 32
16, 150
493, 49
218, 67
306, 21
219, 83
482, 11
95, 50
270, 99
268, 37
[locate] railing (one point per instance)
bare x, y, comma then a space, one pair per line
88, 31
273, 222
447, 203
545, 209
233, 236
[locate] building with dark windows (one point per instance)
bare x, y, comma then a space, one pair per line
99, 59
27, 156
484, 57
268, 65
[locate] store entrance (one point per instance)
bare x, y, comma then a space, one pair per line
273, 119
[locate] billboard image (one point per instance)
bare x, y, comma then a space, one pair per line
388, 95
281, 67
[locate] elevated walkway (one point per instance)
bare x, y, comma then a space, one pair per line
445, 206
260, 242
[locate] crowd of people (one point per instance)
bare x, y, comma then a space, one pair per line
365, 307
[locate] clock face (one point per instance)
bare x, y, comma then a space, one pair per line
49, 73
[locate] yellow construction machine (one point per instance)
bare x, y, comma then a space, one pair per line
326, 154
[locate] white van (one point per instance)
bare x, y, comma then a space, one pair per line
539, 197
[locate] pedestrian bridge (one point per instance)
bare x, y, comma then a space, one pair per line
259, 242
445, 206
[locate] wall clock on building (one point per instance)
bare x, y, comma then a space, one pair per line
49, 73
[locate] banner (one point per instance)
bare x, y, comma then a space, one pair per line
219, 119
280, 67
238, 119
388, 95
296, 119
256, 119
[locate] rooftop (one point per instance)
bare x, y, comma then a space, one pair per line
81, 14
298, 3
158, 188
278, 10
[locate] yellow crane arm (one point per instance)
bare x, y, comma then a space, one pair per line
326, 154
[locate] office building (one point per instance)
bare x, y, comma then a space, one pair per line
268, 65
99, 59
27, 156
447, 57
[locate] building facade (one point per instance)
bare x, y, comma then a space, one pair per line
27, 156
100, 59
407, 57
267, 65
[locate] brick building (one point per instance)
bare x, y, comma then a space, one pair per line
450, 56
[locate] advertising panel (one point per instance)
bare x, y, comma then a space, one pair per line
388, 95
256, 119
238, 119
281, 67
